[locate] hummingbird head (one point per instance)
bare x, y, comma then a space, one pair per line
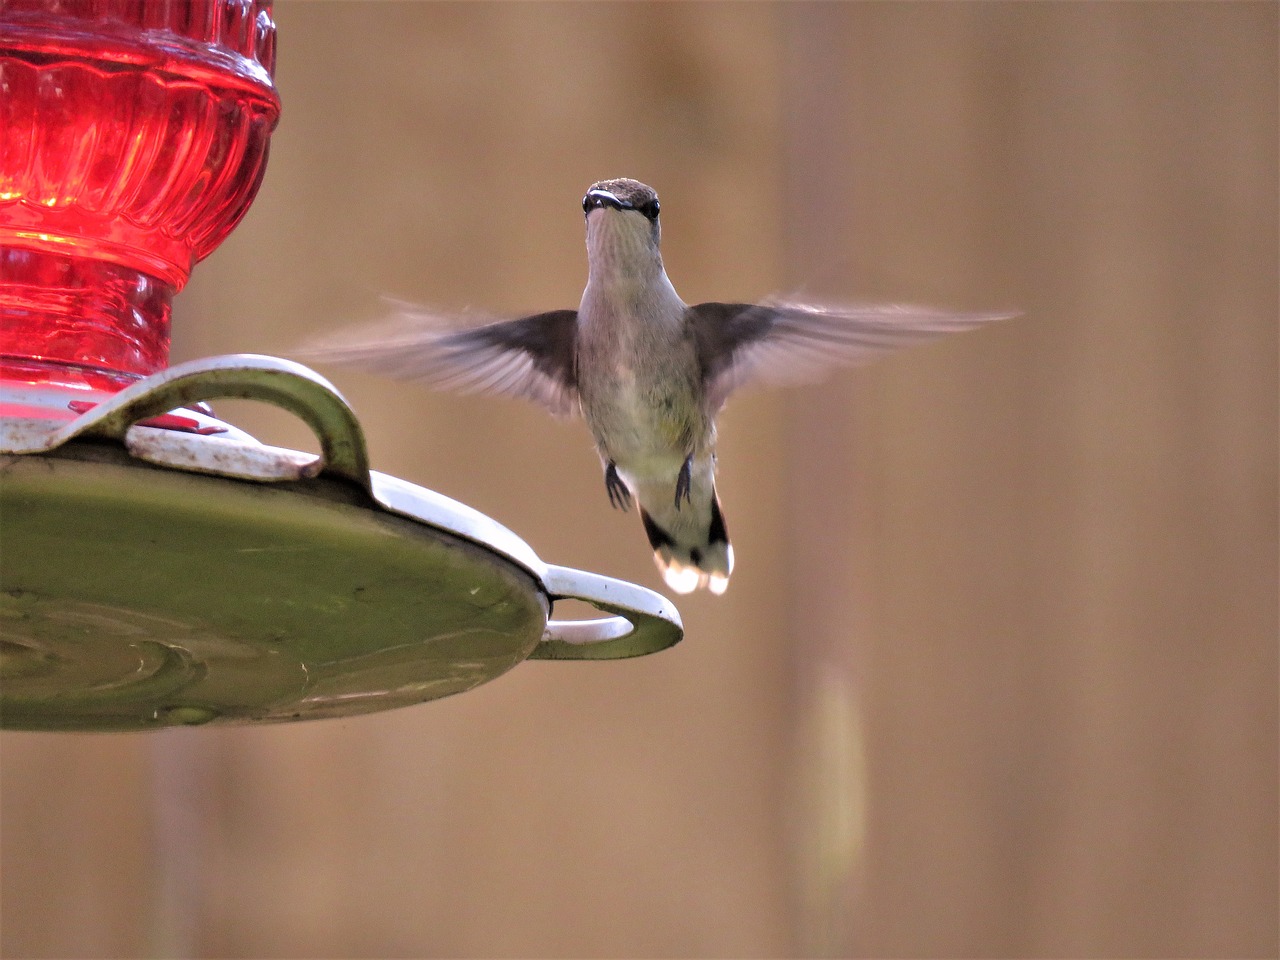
623, 232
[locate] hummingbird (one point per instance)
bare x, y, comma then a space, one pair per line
646, 371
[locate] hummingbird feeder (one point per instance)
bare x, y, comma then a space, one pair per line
158, 566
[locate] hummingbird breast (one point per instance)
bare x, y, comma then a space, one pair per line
638, 378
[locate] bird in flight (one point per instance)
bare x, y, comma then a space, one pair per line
646, 371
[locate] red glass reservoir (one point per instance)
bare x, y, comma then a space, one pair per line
133, 137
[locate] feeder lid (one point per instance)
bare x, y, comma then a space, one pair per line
153, 576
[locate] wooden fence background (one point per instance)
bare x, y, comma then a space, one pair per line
997, 675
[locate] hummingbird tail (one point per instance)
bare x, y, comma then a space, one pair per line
693, 562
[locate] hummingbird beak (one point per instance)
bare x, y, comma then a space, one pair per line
595, 199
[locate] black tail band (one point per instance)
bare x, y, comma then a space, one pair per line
658, 538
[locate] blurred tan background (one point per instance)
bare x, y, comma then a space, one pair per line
997, 674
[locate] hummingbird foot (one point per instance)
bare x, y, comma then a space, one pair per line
619, 495
684, 482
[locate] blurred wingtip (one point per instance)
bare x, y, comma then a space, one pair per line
405, 325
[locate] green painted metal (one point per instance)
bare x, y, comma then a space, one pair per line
139, 597
150, 578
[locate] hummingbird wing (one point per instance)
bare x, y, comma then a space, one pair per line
530, 358
783, 343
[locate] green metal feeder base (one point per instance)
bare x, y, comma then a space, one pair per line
150, 577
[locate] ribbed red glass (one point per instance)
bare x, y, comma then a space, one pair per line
133, 138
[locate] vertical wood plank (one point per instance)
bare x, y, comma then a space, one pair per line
1060, 591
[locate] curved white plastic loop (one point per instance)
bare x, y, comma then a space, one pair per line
283, 383
643, 622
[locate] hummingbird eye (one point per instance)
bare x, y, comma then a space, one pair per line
650, 209
587, 205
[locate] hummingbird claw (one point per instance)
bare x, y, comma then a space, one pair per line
619, 495
684, 482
